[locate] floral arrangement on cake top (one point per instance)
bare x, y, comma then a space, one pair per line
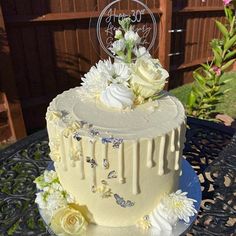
133, 79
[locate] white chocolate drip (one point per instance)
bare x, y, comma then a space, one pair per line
63, 153
72, 152
136, 188
177, 151
177, 155
161, 155
121, 164
92, 157
82, 175
150, 162
172, 141
178, 137
104, 154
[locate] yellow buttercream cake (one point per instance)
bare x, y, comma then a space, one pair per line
117, 164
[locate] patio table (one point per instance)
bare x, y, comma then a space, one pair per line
210, 148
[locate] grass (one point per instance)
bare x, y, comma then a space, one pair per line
228, 106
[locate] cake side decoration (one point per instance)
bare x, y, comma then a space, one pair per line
172, 208
133, 79
67, 217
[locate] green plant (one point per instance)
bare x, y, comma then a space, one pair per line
206, 91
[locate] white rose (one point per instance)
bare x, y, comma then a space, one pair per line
132, 36
148, 77
68, 221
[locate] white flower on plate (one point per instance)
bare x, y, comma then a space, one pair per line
132, 37
117, 96
173, 207
117, 46
180, 205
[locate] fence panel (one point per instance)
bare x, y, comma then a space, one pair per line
193, 28
51, 50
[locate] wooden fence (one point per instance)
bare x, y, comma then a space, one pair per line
51, 50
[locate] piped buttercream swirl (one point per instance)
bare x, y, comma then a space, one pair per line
117, 96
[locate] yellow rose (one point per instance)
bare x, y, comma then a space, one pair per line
68, 221
148, 78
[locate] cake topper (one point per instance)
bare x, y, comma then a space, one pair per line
126, 23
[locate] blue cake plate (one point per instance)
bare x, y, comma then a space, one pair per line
189, 182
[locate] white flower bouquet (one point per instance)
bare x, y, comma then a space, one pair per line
64, 214
134, 77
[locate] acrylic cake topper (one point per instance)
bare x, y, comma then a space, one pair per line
112, 36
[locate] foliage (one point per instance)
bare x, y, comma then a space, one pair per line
228, 104
206, 91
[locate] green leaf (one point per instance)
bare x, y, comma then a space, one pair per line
232, 28
227, 90
191, 99
206, 66
230, 43
222, 28
197, 92
227, 81
199, 78
228, 13
218, 58
228, 64
230, 54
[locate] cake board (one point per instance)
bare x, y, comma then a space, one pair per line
188, 182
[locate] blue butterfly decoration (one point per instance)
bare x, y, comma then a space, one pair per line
116, 142
121, 202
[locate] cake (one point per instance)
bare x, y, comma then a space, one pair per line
117, 141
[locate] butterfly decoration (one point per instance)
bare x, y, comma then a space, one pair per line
121, 202
94, 189
116, 142
105, 163
93, 133
83, 123
91, 161
77, 137
112, 175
